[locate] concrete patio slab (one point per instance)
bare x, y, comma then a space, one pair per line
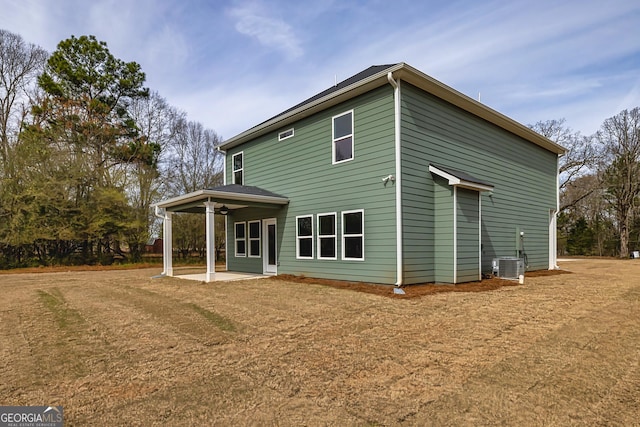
222, 276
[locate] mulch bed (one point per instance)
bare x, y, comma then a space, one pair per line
411, 291
417, 290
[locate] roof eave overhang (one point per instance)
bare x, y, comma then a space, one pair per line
413, 76
334, 98
213, 195
452, 96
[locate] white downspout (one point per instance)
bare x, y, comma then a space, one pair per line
166, 269
164, 264
455, 234
555, 218
224, 182
157, 212
398, 153
224, 165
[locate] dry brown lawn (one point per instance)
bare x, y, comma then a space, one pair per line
120, 348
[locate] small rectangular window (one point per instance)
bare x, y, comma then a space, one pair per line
238, 168
342, 145
241, 239
254, 239
285, 134
353, 235
304, 237
327, 242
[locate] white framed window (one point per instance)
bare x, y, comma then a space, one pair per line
237, 163
254, 239
240, 232
304, 237
342, 142
327, 239
285, 134
353, 235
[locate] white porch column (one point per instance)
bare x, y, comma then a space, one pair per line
167, 244
211, 241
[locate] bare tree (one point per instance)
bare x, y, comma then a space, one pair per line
583, 154
193, 162
620, 137
20, 63
157, 122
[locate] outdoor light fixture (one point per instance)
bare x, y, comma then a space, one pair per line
224, 210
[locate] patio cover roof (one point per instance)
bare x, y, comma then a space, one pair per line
460, 179
233, 196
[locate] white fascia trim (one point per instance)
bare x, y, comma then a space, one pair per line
357, 88
401, 71
205, 194
457, 182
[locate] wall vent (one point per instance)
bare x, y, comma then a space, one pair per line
508, 267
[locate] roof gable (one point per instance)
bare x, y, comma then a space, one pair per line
377, 76
371, 71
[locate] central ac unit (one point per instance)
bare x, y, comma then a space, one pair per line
508, 267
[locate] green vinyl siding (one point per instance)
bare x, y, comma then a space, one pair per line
432, 132
442, 256
524, 176
301, 169
246, 264
467, 235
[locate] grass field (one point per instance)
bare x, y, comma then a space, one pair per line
119, 348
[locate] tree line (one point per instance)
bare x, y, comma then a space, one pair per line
599, 184
85, 150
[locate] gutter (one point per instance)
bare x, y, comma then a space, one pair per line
398, 181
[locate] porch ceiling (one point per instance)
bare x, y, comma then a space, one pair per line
232, 196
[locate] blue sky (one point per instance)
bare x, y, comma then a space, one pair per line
232, 64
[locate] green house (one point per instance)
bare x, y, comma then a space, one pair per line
388, 177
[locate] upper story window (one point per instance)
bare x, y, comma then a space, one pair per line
237, 162
285, 134
342, 148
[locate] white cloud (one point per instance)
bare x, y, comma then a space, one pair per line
253, 21
232, 112
224, 64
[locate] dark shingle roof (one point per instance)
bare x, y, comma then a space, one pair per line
373, 70
245, 189
375, 76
